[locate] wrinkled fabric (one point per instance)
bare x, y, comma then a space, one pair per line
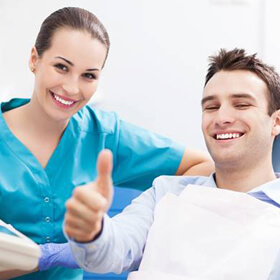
217, 234
121, 245
32, 198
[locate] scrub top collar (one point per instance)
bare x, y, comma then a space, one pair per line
22, 151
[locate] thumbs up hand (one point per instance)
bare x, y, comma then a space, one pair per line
86, 207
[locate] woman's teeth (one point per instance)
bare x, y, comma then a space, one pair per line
57, 98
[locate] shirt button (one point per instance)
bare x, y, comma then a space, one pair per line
48, 239
46, 199
47, 219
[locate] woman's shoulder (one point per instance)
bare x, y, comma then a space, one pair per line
95, 120
13, 104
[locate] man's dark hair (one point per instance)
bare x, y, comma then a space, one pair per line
237, 59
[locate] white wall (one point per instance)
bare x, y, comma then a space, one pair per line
271, 33
158, 58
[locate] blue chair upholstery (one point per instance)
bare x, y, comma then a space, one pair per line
122, 198
276, 154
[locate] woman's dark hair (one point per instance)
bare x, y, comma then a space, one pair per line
71, 18
237, 59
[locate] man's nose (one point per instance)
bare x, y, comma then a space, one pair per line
224, 116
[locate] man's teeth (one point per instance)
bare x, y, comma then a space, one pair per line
227, 136
57, 98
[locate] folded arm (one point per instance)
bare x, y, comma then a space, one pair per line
195, 162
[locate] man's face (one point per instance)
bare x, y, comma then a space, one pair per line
235, 121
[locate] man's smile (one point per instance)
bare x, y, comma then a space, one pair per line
227, 135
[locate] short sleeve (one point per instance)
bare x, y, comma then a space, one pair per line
142, 156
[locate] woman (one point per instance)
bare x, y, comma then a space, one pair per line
50, 143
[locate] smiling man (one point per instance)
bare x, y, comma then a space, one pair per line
225, 226
240, 120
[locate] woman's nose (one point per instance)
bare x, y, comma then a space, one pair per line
71, 86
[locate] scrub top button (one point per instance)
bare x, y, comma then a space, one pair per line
48, 239
46, 199
47, 219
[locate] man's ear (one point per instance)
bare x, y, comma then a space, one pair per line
276, 123
33, 59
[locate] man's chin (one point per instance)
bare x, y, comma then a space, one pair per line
227, 160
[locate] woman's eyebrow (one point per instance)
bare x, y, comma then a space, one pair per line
72, 64
66, 60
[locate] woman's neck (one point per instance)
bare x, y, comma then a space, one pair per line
38, 121
36, 130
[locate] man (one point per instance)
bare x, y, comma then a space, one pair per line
240, 120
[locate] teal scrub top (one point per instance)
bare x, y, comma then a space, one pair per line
33, 199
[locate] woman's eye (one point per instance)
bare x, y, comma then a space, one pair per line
61, 67
89, 76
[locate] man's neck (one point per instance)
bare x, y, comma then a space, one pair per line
245, 179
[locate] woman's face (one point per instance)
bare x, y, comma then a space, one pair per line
67, 74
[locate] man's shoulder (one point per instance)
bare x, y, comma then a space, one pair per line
176, 184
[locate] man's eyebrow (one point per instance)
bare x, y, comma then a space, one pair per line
233, 96
243, 95
72, 64
208, 98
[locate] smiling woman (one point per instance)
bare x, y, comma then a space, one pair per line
67, 73
50, 143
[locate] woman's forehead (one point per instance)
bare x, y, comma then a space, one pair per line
78, 47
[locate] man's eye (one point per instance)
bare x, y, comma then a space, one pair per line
211, 108
61, 67
242, 106
89, 76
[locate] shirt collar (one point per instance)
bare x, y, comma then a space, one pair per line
271, 188
210, 181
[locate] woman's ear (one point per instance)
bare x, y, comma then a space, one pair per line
276, 123
33, 59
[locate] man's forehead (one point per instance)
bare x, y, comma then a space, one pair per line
235, 84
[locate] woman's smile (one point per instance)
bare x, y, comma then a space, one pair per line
63, 102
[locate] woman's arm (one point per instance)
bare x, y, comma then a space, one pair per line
195, 162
